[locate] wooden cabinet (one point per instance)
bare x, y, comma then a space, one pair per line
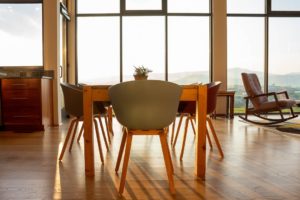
26, 104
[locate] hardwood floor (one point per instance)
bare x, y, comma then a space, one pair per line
259, 163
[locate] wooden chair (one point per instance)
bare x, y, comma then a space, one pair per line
73, 97
188, 109
262, 105
145, 107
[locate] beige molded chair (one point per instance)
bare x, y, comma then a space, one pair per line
73, 98
262, 105
188, 109
145, 107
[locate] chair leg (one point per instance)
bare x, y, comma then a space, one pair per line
73, 137
80, 133
164, 146
110, 119
208, 138
173, 130
215, 136
125, 162
169, 154
121, 150
193, 124
67, 139
178, 128
107, 129
98, 140
184, 136
103, 132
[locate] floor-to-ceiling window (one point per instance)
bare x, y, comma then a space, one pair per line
170, 37
21, 33
284, 47
263, 39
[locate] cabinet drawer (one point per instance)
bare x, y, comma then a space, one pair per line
21, 84
21, 119
21, 97
11, 110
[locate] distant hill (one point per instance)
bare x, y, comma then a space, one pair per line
290, 79
234, 77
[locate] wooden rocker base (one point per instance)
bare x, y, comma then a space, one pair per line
270, 121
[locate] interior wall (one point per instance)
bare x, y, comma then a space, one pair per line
71, 63
219, 47
52, 51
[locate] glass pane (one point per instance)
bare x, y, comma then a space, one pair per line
143, 4
20, 30
98, 50
245, 53
188, 49
144, 44
286, 5
246, 6
284, 53
98, 6
188, 6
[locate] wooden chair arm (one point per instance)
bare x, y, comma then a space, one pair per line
261, 95
283, 92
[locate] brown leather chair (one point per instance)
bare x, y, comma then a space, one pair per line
188, 109
262, 105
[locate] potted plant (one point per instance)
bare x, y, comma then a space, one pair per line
141, 72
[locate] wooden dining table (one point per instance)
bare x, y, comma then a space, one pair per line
197, 93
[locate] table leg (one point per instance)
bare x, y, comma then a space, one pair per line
200, 147
88, 131
231, 106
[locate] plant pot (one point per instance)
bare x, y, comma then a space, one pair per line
140, 77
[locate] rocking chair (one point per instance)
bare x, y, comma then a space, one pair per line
261, 105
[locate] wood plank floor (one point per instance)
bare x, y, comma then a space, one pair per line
259, 164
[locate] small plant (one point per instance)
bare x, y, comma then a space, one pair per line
141, 71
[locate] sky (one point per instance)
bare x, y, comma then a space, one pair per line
144, 38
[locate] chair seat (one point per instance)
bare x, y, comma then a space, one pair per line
270, 105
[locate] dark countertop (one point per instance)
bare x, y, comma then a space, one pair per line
43, 74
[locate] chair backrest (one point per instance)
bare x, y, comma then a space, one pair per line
73, 97
212, 90
145, 104
253, 87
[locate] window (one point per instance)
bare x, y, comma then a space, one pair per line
245, 53
113, 36
144, 44
285, 5
246, 6
188, 6
98, 50
284, 53
143, 5
98, 6
188, 49
21, 34
264, 42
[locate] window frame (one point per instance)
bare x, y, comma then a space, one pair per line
163, 12
267, 15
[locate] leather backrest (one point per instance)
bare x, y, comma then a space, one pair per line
145, 104
212, 90
253, 87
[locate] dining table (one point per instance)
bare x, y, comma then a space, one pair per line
197, 93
